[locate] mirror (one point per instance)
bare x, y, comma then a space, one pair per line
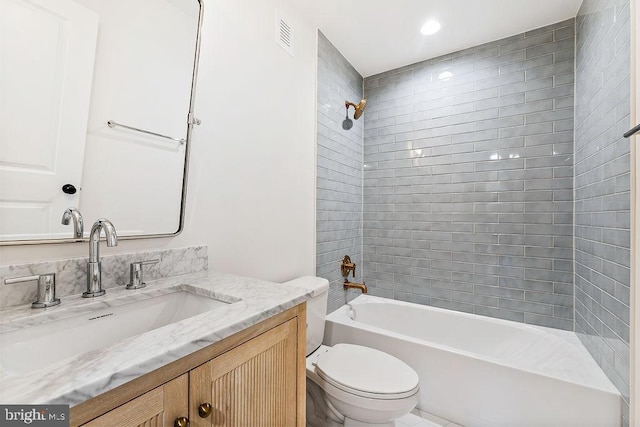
96, 101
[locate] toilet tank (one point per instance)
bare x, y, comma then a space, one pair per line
316, 308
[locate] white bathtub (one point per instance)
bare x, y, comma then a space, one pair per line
480, 371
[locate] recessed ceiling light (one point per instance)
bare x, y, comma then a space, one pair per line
445, 75
430, 27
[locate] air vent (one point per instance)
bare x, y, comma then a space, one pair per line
284, 33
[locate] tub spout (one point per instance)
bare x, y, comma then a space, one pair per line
361, 286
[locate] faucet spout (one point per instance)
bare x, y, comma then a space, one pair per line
78, 223
350, 285
94, 238
94, 266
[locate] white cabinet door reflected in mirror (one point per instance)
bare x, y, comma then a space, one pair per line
67, 67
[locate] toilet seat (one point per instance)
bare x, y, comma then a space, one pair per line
366, 372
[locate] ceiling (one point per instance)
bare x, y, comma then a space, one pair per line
380, 35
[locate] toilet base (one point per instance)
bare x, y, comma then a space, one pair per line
317, 408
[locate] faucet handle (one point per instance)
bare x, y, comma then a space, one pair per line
347, 266
136, 273
46, 289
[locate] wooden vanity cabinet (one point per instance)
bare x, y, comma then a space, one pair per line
253, 378
156, 408
252, 385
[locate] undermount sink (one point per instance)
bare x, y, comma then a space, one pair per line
36, 347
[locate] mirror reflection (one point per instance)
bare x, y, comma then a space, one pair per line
68, 68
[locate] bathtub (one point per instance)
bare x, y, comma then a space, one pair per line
480, 371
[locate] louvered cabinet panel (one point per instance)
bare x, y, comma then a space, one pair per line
251, 385
156, 408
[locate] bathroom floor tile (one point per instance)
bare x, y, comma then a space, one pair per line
409, 420
434, 418
425, 419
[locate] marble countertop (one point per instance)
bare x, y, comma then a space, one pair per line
74, 380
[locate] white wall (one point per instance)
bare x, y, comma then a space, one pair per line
252, 177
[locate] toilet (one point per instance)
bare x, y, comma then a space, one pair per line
351, 385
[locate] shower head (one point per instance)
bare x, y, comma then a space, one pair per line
359, 108
347, 123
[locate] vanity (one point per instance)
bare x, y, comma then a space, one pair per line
241, 362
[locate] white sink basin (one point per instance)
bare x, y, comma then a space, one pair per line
36, 347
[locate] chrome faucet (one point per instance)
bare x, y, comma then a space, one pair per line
78, 223
94, 268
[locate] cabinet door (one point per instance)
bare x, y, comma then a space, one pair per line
156, 408
251, 385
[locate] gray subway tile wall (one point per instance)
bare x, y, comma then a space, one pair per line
468, 180
339, 171
602, 177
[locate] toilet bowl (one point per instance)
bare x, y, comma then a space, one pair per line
348, 384
362, 385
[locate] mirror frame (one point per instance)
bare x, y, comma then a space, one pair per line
191, 121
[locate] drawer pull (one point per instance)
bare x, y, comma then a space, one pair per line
204, 410
181, 422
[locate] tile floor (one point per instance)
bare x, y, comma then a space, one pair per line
418, 418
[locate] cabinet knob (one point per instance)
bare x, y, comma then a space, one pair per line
204, 410
181, 422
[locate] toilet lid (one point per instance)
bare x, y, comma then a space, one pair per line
357, 368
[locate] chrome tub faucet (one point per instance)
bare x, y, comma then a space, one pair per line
94, 268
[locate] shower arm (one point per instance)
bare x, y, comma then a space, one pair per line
358, 108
